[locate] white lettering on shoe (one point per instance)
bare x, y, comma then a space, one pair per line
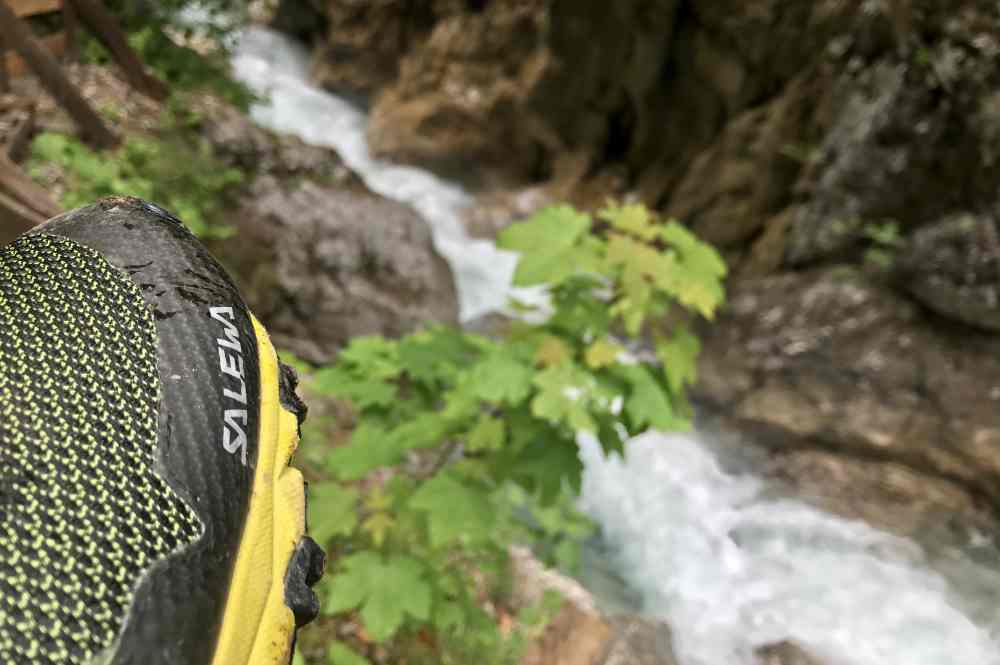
234, 420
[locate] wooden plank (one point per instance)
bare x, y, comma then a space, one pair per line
15, 219
33, 7
18, 37
16, 184
105, 27
16, 128
71, 26
55, 43
4, 74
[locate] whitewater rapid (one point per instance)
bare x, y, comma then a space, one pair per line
709, 550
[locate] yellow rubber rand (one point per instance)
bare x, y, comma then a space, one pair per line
258, 628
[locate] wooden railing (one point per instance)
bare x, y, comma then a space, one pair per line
58, 43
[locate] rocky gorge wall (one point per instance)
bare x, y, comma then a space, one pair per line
843, 154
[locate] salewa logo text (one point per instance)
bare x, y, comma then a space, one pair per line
234, 420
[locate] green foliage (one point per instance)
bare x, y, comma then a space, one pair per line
341, 654
216, 18
158, 30
386, 589
172, 168
465, 444
885, 239
182, 68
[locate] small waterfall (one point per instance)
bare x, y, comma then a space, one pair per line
729, 568
275, 66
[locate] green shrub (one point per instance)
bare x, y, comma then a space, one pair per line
173, 168
463, 445
181, 68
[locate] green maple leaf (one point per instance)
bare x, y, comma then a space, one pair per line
378, 500
555, 227
339, 653
679, 356
373, 355
552, 351
702, 256
425, 430
635, 219
694, 291
602, 353
365, 391
387, 591
545, 267
349, 587
455, 511
378, 525
332, 511
369, 448
646, 260
500, 378
434, 355
449, 616
640, 267
698, 282
647, 402
544, 466
564, 394
488, 434
550, 246
580, 306
460, 407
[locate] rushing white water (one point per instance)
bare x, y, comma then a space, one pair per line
732, 569
276, 66
728, 567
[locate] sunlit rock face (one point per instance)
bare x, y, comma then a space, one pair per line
777, 129
325, 264
320, 256
837, 362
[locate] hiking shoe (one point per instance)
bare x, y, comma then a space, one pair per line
148, 514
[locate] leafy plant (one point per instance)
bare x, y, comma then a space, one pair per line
181, 67
885, 239
173, 168
465, 444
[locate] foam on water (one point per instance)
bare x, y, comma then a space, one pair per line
728, 567
732, 569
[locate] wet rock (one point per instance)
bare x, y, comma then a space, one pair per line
914, 132
831, 361
510, 82
733, 187
240, 142
953, 267
580, 634
887, 495
640, 641
302, 19
718, 112
459, 94
320, 258
321, 264
364, 41
785, 653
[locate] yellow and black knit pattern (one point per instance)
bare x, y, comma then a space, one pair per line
83, 512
